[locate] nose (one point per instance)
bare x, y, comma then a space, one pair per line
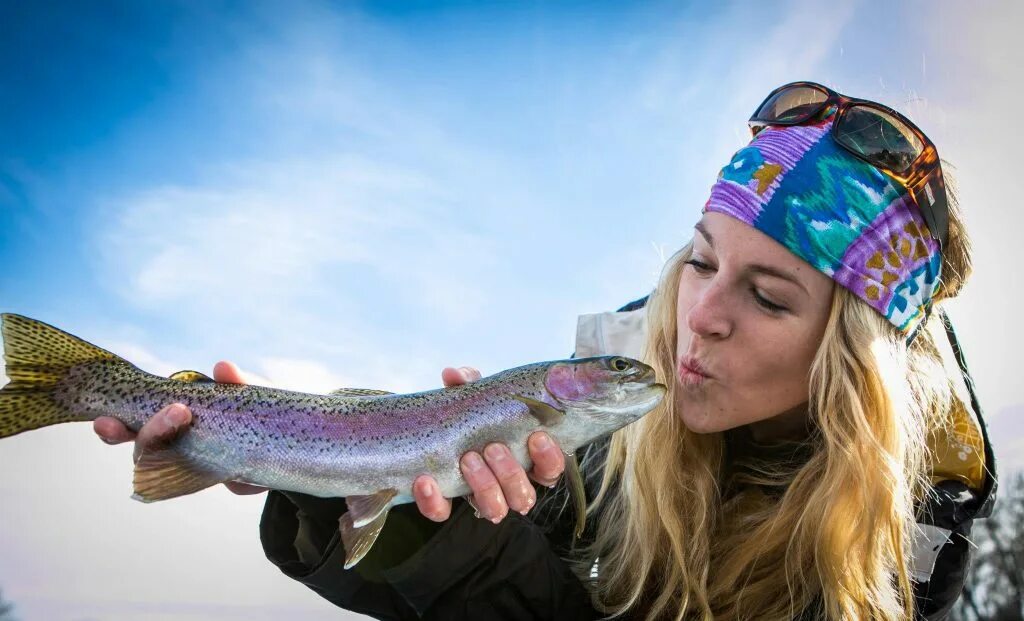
710, 316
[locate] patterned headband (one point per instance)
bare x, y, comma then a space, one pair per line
842, 215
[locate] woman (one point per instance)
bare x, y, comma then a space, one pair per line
808, 424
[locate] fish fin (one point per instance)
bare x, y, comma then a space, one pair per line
191, 376
359, 392
365, 509
37, 356
166, 473
543, 412
359, 539
576, 491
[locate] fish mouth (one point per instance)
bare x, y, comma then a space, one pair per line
632, 399
642, 375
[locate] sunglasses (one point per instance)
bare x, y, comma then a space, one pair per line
876, 134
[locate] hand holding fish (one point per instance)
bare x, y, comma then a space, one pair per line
498, 481
376, 449
168, 424
503, 485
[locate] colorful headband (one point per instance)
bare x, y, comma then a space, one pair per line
842, 215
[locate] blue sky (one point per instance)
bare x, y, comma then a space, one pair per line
362, 193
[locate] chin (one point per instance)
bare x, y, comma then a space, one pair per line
698, 414
702, 423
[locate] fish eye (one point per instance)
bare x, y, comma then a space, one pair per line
619, 364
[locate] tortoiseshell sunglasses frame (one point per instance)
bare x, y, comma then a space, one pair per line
922, 177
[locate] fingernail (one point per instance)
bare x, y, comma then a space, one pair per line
495, 520
473, 462
175, 415
466, 374
543, 442
107, 440
495, 451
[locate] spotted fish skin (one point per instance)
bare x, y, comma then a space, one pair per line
320, 444
368, 448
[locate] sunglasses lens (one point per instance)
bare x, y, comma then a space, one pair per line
791, 105
880, 138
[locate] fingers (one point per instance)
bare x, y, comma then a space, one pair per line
227, 373
515, 486
112, 431
487, 495
548, 459
163, 428
498, 481
429, 499
462, 375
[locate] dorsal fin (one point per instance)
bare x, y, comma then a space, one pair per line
191, 376
359, 392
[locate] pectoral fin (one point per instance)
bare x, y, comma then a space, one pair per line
359, 392
576, 491
191, 376
164, 474
359, 540
543, 412
365, 509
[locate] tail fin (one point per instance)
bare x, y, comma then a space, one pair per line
38, 356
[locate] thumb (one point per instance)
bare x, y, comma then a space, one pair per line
462, 375
227, 373
163, 428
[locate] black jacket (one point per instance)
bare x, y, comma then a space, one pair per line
469, 568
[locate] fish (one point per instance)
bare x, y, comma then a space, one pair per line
364, 445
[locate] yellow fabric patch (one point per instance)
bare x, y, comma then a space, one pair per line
765, 175
958, 450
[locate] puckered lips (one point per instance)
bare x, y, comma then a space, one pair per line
692, 372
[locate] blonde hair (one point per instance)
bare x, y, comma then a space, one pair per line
681, 537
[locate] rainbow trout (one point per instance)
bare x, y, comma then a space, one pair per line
367, 446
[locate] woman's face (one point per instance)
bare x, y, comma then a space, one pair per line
750, 317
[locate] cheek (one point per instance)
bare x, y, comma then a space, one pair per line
684, 302
760, 378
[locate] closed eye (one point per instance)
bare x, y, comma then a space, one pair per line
775, 308
698, 266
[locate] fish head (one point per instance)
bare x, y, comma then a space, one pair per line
603, 393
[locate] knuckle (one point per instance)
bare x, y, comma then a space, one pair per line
522, 499
487, 488
511, 476
548, 471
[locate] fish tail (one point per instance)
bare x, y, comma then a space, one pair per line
37, 358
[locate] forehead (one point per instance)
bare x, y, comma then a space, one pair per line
742, 245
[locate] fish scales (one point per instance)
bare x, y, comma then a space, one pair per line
334, 440
367, 448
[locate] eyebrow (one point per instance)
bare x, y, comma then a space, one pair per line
755, 267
